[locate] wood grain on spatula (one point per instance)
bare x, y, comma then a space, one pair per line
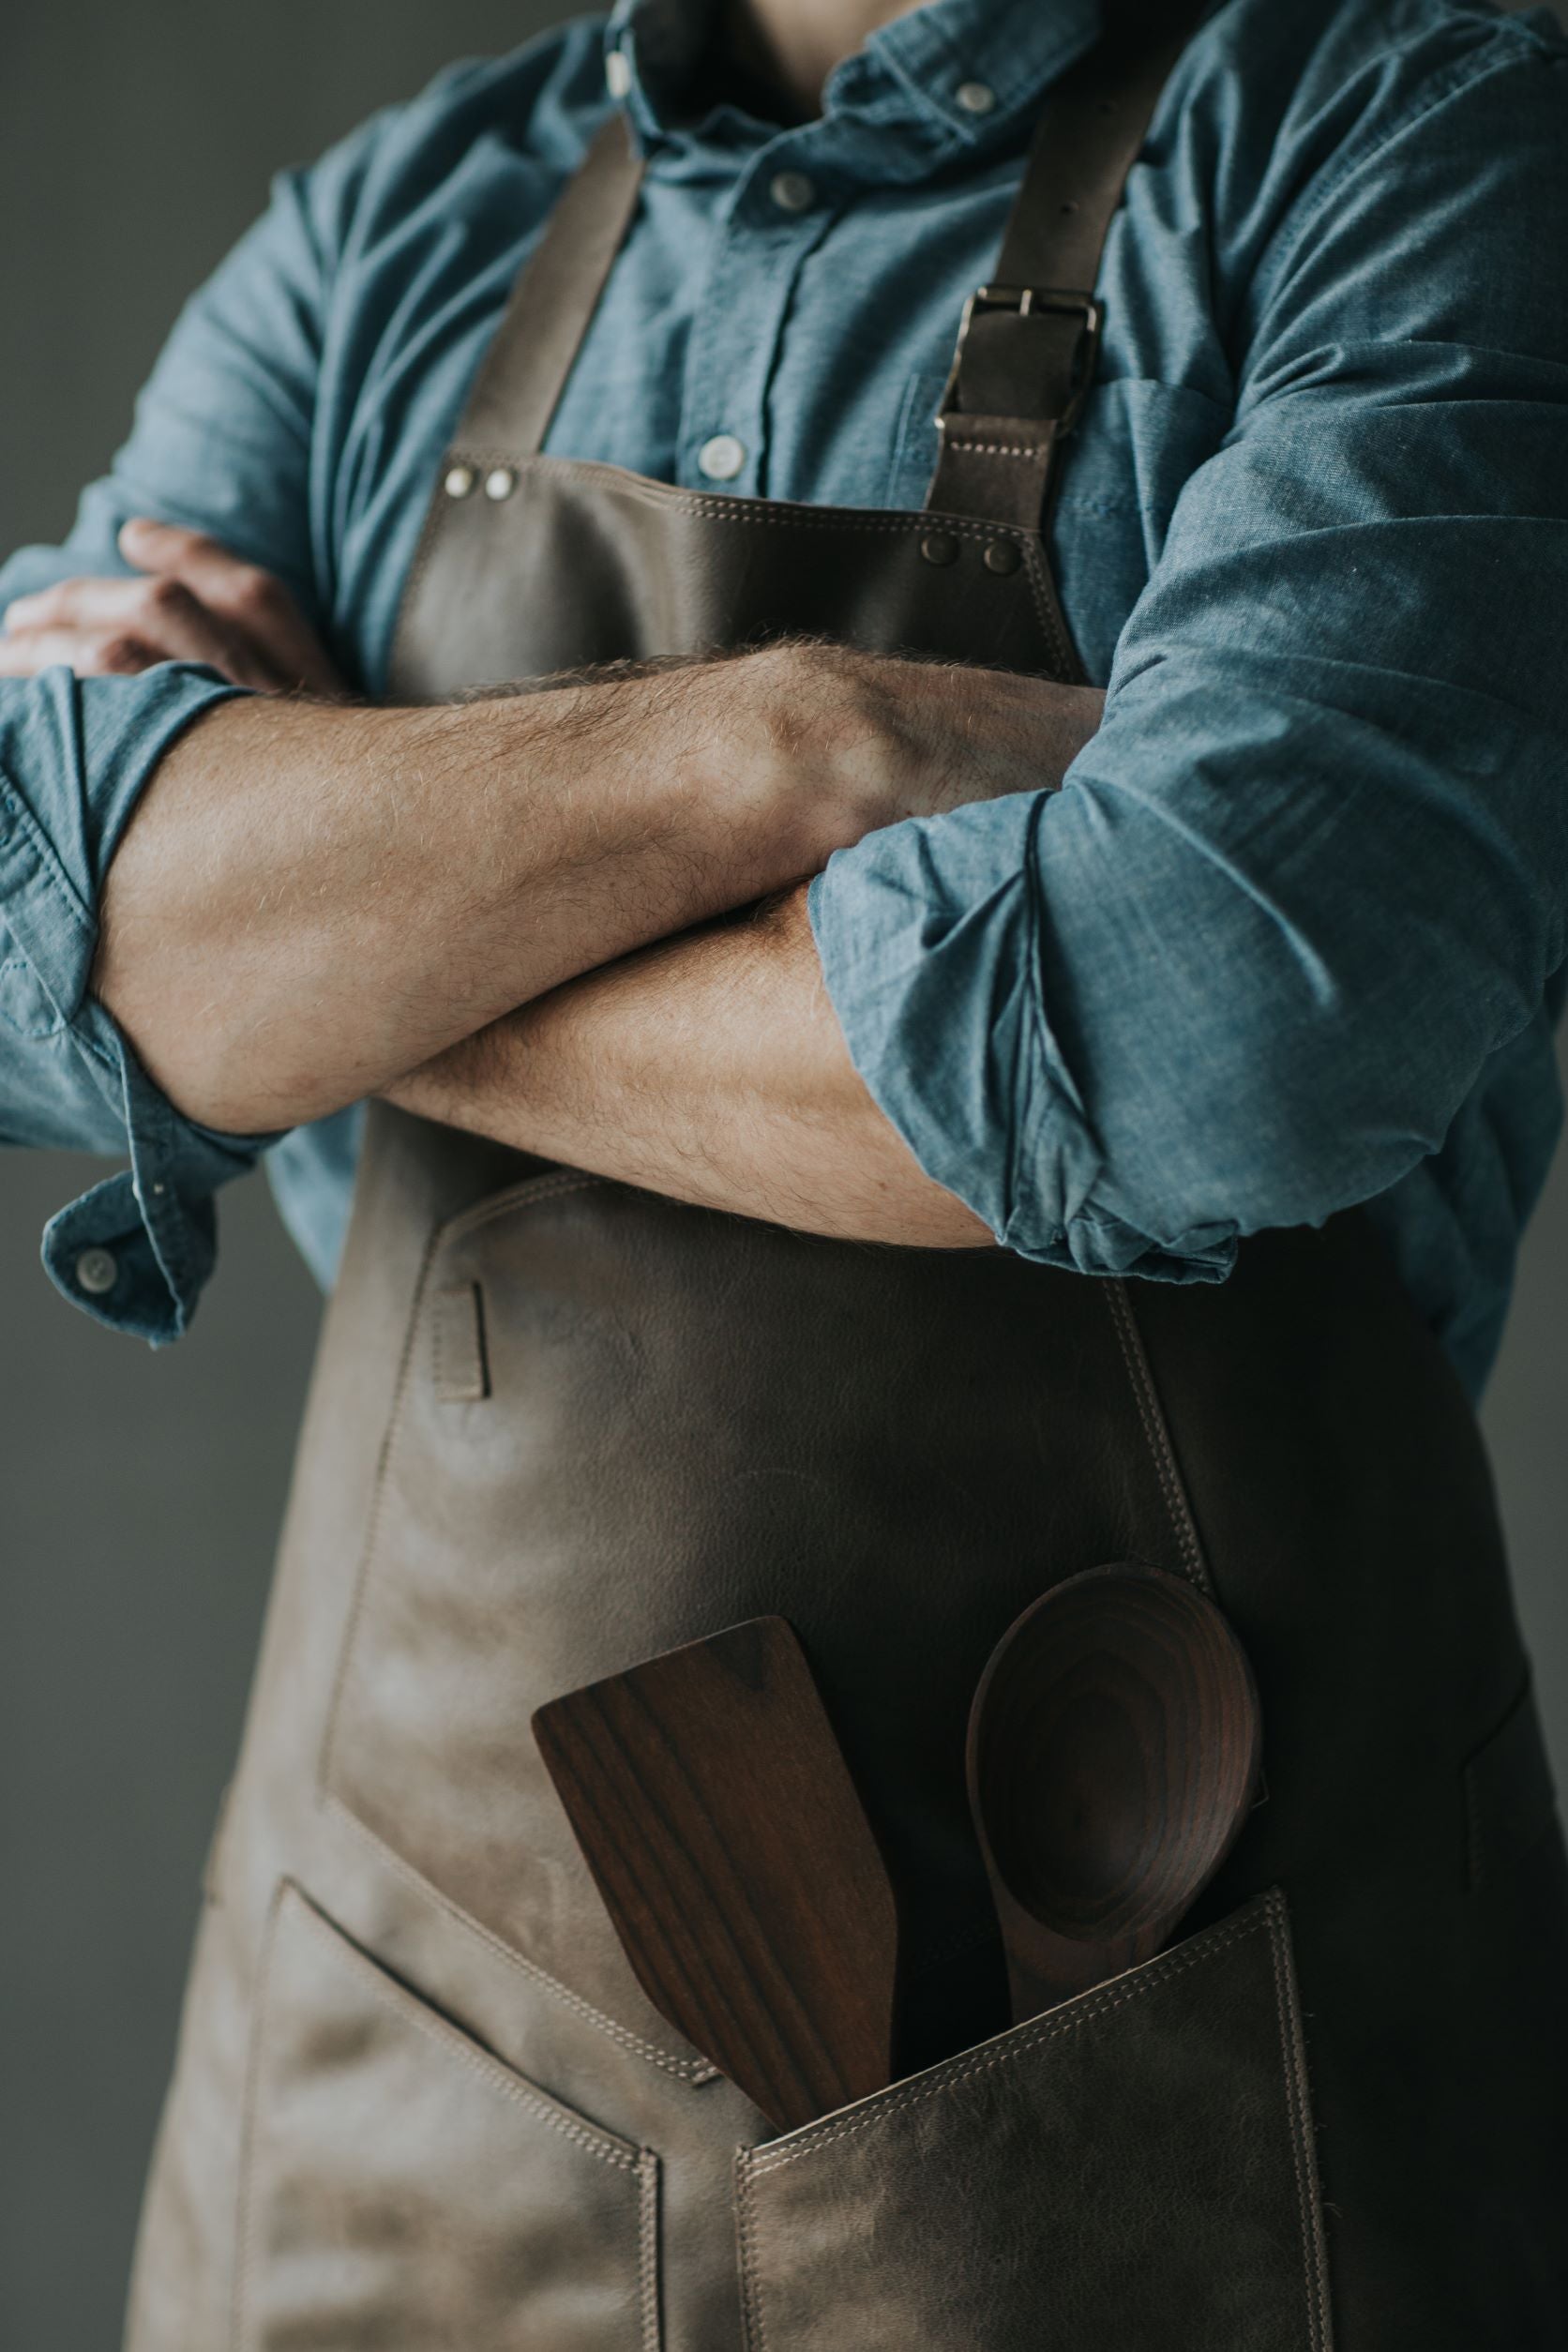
714, 1809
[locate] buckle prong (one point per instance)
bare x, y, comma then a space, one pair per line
1026, 302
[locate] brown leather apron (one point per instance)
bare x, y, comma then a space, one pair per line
559, 1424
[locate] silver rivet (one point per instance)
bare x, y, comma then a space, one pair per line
793, 191
499, 482
940, 548
1004, 555
96, 1271
459, 481
975, 98
722, 458
617, 74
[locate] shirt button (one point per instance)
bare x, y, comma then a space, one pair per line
793, 191
975, 98
722, 458
617, 74
499, 482
96, 1271
459, 481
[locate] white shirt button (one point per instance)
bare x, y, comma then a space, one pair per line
459, 481
499, 482
793, 191
96, 1271
617, 74
975, 98
722, 458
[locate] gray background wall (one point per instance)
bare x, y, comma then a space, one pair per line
139, 1493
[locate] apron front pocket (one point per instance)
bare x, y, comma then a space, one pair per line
403, 2188
1132, 2172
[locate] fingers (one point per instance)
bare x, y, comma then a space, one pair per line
156, 613
251, 600
92, 654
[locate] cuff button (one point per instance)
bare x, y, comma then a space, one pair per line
96, 1271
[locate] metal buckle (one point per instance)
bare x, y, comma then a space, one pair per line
1024, 301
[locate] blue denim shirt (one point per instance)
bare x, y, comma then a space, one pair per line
1287, 939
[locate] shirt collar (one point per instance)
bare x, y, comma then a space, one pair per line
916, 65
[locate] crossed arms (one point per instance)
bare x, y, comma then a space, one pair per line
487, 911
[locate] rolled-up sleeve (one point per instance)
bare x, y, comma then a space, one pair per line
1245, 967
222, 443
74, 754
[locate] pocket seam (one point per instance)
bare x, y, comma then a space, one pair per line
607, 2148
1266, 1914
694, 2071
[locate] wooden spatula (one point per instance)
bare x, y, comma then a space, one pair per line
715, 1810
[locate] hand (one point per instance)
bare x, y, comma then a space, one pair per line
877, 739
195, 602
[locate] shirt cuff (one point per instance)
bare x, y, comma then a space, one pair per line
929, 938
136, 1250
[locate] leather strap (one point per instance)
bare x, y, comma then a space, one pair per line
519, 388
1027, 349
1030, 339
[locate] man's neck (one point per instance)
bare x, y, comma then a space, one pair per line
795, 44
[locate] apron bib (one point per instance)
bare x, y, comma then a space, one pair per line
559, 1424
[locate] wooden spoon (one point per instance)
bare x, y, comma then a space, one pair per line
713, 1806
1113, 1756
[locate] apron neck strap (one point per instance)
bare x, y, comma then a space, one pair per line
1031, 339
520, 386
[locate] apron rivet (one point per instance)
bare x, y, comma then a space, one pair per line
459, 481
939, 547
499, 482
1004, 555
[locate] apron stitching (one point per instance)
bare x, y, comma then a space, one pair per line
372, 1531
1093, 2008
647, 2260
758, 512
1000, 449
1177, 1505
244, 2219
751, 2285
538, 1191
1313, 2251
493, 2070
435, 516
694, 2071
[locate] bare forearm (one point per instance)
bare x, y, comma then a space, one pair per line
711, 1070
310, 900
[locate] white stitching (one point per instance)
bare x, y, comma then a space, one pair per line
607, 2146
1178, 1508
1000, 448
1021, 2040
763, 514
534, 1194
372, 1527
752, 2284
694, 2071
244, 2219
647, 2257
1299, 2108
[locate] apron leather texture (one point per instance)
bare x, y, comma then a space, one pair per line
558, 1424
